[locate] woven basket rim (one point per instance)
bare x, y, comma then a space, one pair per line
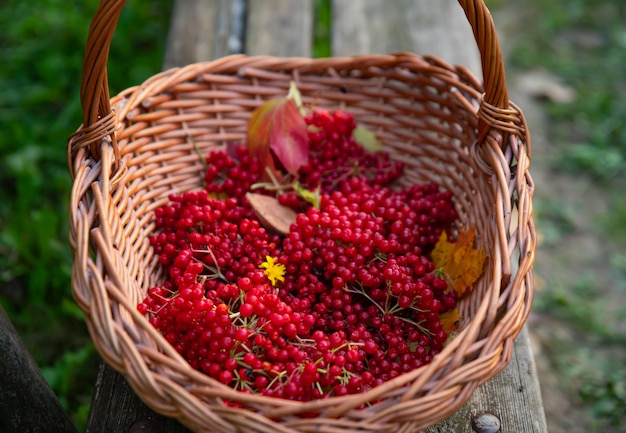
340, 402
98, 155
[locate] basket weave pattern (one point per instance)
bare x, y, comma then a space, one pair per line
135, 149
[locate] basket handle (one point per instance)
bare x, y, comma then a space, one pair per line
483, 27
94, 92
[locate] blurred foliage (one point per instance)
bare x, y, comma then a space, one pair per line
590, 361
584, 43
41, 44
583, 307
557, 219
322, 28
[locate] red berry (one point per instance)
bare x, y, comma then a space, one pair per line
359, 301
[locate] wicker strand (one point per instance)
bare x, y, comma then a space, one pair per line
135, 149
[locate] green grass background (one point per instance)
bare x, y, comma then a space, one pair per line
41, 47
582, 44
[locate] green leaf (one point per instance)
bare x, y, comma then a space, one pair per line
367, 139
294, 94
314, 197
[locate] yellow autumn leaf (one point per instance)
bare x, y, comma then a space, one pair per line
449, 320
459, 261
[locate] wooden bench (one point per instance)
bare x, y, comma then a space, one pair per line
207, 29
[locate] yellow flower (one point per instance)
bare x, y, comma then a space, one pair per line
274, 271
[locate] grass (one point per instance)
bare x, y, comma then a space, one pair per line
41, 45
583, 44
590, 359
321, 28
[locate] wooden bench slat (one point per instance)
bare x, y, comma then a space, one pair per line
115, 408
200, 30
513, 396
436, 27
27, 401
281, 28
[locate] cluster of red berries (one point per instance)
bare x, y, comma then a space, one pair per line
336, 156
345, 301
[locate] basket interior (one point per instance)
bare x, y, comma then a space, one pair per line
424, 116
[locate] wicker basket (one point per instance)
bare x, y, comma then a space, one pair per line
138, 147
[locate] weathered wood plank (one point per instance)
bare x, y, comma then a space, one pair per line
27, 402
115, 408
281, 28
202, 30
436, 27
513, 396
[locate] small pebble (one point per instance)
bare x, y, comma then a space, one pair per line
485, 423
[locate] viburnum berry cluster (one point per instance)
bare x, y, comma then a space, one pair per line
349, 298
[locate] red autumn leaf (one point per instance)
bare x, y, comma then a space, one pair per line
276, 128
